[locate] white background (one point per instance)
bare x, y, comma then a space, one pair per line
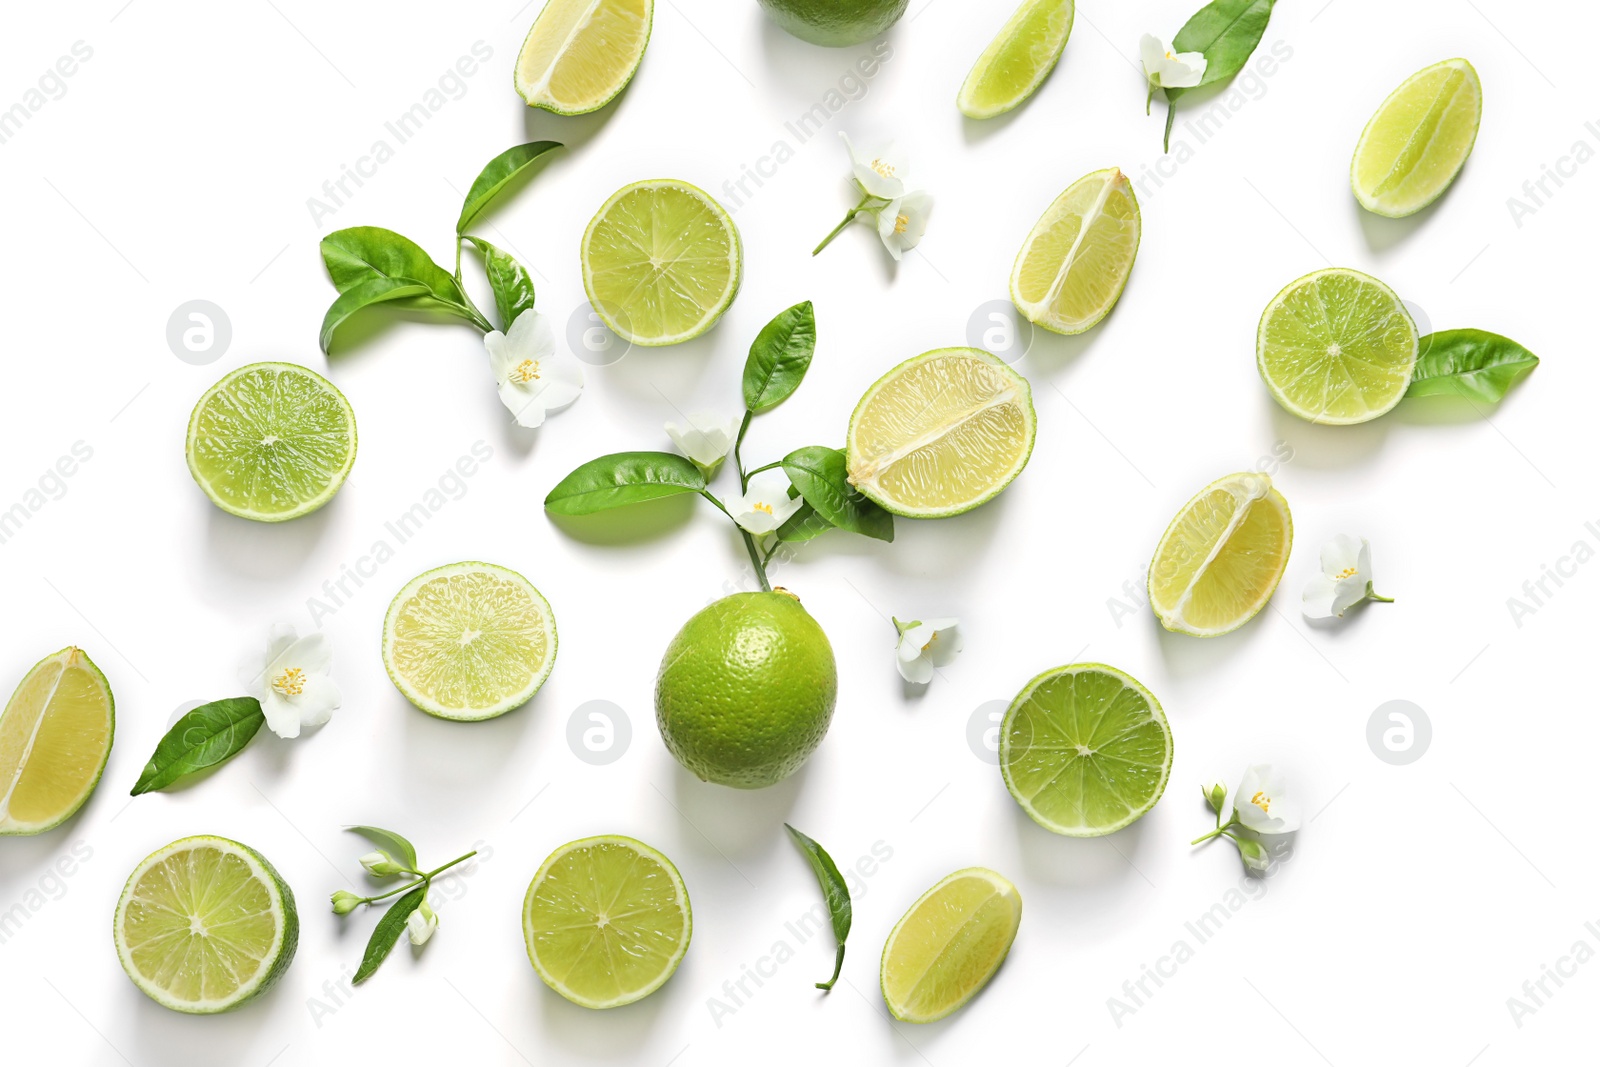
177, 166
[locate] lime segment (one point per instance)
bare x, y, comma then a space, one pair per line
55, 738
1337, 347
271, 441
1018, 60
1076, 261
1418, 140
606, 921
949, 944
469, 641
205, 925
579, 54
1221, 558
661, 262
941, 433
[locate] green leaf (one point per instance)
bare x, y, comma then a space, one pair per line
360, 254
803, 525
623, 478
210, 734
396, 846
834, 892
513, 288
1472, 363
779, 357
820, 474
1226, 32
387, 933
374, 291
500, 170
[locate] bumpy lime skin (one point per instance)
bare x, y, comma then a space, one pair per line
746, 690
835, 23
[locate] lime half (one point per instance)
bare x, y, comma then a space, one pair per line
1222, 556
1418, 140
949, 944
1085, 750
580, 53
606, 921
271, 441
1076, 261
661, 262
941, 433
469, 641
1337, 347
205, 925
1018, 60
55, 738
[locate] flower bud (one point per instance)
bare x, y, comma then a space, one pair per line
1216, 795
421, 924
380, 864
344, 903
1255, 855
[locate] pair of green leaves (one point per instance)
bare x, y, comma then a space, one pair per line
204, 737
1226, 32
834, 893
1476, 364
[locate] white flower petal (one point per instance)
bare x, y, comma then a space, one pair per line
1342, 552
502, 357
1152, 50
531, 336
318, 701
945, 644
310, 654
282, 717
918, 671
1318, 600
523, 405
420, 925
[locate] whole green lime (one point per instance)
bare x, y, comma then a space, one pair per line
746, 690
835, 22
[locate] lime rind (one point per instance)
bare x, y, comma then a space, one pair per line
978, 96
73, 656
867, 486
1009, 756
1004, 892
275, 962
1038, 312
506, 703
536, 96
1373, 200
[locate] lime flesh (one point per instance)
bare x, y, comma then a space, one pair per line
469, 641
661, 262
55, 738
1085, 750
606, 921
949, 944
205, 925
941, 433
1076, 261
1418, 140
1337, 347
271, 441
1018, 60
579, 54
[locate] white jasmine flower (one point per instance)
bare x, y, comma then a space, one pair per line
1345, 581
1262, 803
903, 222
533, 379
1167, 69
291, 680
706, 440
882, 175
765, 504
421, 923
924, 646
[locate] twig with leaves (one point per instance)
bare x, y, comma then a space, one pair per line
394, 857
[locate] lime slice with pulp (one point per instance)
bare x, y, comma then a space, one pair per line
1018, 60
55, 738
1418, 140
1076, 261
949, 944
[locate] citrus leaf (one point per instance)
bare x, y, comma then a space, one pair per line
362, 253
1473, 363
396, 846
803, 525
821, 476
779, 357
508, 279
387, 933
494, 176
204, 737
1226, 32
368, 293
834, 892
623, 478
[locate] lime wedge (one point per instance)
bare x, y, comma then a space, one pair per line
271, 441
1416, 143
1085, 750
469, 641
205, 925
1018, 60
1076, 261
1221, 558
606, 921
1337, 347
579, 54
949, 944
55, 738
941, 433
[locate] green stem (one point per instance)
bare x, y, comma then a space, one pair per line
718, 505
1172, 113
1371, 595
777, 543
850, 216
393, 892
755, 559
422, 879
738, 443
440, 870
838, 965
458, 248
758, 470
1220, 831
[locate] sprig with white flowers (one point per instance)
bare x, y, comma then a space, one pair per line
787, 501
1212, 47
1262, 807
395, 857
897, 211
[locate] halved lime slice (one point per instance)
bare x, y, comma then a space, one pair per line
606, 921
1337, 347
661, 262
1085, 750
55, 738
580, 53
1076, 261
469, 641
941, 433
271, 441
205, 925
1418, 140
1018, 60
1222, 556
949, 944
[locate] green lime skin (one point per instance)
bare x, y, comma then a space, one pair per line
835, 23
746, 690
